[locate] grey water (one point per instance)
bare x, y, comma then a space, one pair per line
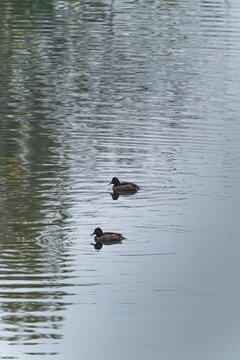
147, 91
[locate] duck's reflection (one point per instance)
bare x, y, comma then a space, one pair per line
99, 244
115, 195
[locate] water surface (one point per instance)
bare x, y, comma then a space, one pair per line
148, 92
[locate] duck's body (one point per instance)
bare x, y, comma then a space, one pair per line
107, 238
124, 186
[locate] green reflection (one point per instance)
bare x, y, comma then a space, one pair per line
32, 170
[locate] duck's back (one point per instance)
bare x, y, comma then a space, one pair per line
109, 236
126, 186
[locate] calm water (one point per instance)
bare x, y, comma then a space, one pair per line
147, 91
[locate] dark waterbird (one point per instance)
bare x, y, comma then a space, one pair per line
107, 238
123, 187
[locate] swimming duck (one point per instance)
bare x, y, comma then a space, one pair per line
107, 238
124, 186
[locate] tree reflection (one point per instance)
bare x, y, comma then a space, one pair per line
32, 286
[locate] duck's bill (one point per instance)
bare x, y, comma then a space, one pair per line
92, 234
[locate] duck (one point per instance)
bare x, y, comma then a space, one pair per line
107, 238
124, 186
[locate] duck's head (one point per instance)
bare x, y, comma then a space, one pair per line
115, 181
98, 232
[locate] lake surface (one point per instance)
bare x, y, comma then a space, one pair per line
147, 91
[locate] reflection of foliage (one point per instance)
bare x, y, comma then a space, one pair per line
30, 327
13, 170
32, 168
26, 8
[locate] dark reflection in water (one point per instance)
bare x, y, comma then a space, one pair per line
148, 91
116, 195
98, 245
